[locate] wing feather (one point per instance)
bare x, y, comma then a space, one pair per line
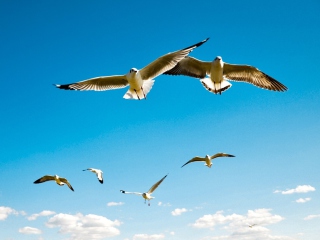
97, 84
221, 155
156, 184
250, 74
166, 62
44, 179
195, 159
64, 180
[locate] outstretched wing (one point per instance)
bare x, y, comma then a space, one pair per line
221, 155
195, 159
97, 84
44, 179
137, 193
156, 184
250, 74
191, 67
166, 62
66, 182
99, 176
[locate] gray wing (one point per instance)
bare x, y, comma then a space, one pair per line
137, 193
195, 159
221, 155
97, 84
66, 182
156, 184
250, 74
166, 62
44, 179
191, 67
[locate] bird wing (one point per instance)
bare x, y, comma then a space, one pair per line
221, 155
250, 74
99, 175
191, 67
195, 159
66, 182
166, 62
97, 84
44, 179
156, 185
137, 193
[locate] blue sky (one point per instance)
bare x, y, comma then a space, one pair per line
274, 179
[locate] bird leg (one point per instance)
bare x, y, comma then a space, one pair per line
149, 204
137, 94
143, 93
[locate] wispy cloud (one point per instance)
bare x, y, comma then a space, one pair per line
112, 204
303, 200
309, 217
41, 214
164, 204
84, 226
148, 237
178, 211
29, 230
6, 211
298, 189
238, 225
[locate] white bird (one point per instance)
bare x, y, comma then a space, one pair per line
219, 72
140, 81
59, 180
207, 159
98, 172
147, 195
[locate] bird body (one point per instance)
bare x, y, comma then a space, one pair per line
98, 172
59, 180
140, 81
208, 159
220, 72
147, 195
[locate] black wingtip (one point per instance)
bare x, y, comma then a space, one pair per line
64, 87
101, 181
122, 191
197, 44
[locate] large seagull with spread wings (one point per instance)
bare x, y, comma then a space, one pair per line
140, 81
219, 72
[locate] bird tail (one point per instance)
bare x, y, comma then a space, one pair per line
140, 93
215, 87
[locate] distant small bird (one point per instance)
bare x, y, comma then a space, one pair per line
140, 81
207, 159
219, 72
250, 226
98, 172
59, 180
147, 195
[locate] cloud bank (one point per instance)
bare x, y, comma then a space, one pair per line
298, 189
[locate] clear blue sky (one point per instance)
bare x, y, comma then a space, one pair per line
274, 179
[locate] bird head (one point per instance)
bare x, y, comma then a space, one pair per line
218, 58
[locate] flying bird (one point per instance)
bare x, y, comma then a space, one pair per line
250, 226
207, 159
147, 195
219, 72
59, 180
98, 172
140, 81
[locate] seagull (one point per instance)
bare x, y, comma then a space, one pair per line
147, 195
207, 159
219, 72
98, 172
59, 180
250, 226
140, 81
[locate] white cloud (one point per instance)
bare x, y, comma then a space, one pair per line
41, 214
84, 226
178, 211
164, 204
111, 204
6, 211
303, 200
148, 237
29, 230
238, 225
312, 217
298, 189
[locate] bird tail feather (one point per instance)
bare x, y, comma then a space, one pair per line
215, 87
